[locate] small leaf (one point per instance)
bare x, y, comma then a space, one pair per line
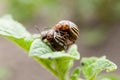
41, 50
91, 67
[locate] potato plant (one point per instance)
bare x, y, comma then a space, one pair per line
58, 63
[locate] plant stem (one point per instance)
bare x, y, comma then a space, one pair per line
65, 77
47, 67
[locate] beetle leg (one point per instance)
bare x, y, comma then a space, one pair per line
70, 43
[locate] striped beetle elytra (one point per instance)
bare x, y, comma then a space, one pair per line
61, 36
69, 29
54, 40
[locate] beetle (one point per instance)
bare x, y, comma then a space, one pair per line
54, 40
68, 30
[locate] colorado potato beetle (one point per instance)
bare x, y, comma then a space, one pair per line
61, 36
68, 30
54, 40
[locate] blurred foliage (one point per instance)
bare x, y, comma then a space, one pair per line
22, 9
88, 14
98, 17
92, 37
104, 11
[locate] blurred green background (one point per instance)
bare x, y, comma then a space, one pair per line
98, 21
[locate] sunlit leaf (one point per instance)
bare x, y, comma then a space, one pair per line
91, 67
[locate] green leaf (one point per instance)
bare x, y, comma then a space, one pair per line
57, 62
15, 32
38, 48
91, 67
9, 27
41, 50
76, 73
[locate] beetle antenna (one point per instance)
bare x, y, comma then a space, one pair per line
37, 28
46, 28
